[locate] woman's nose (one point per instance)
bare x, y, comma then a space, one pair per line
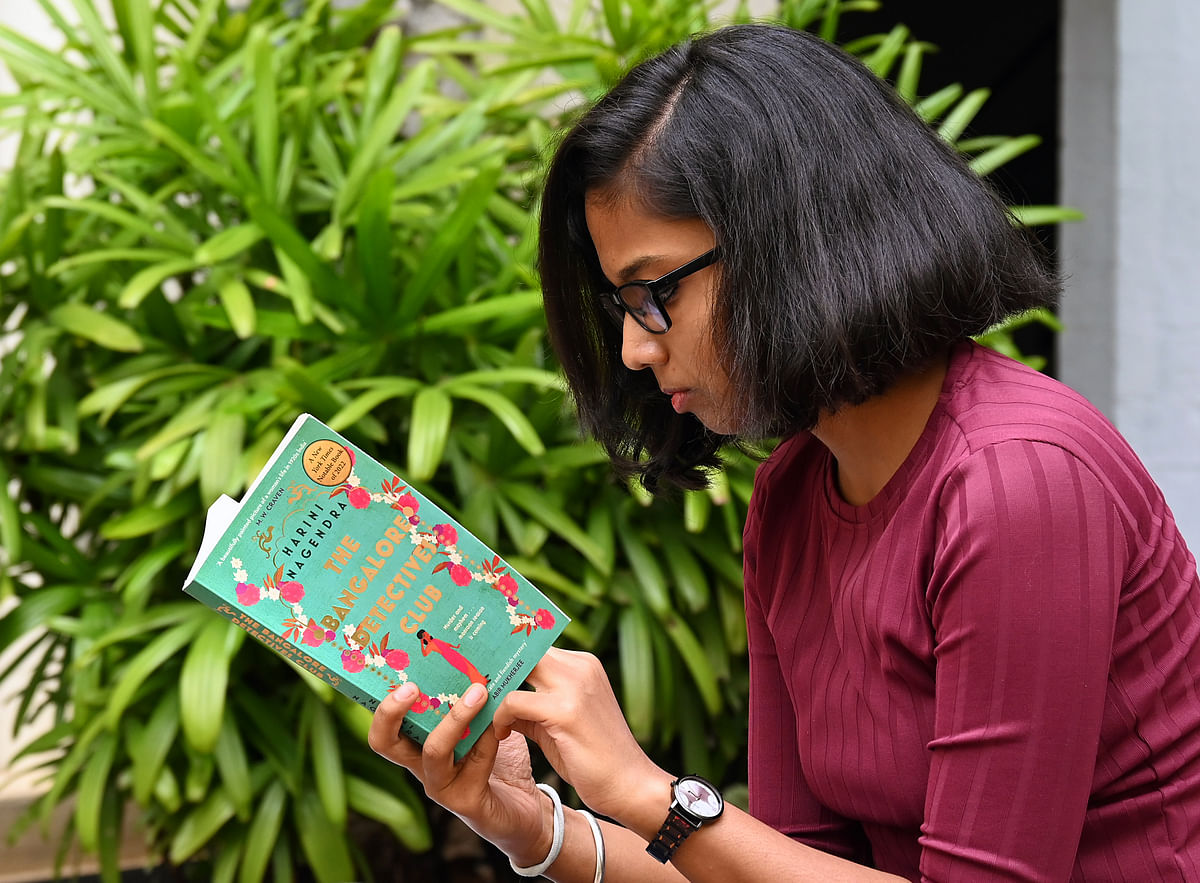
639, 348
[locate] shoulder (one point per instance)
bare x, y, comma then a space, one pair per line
795, 453
1027, 492
795, 468
1027, 445
994, 400
787, 487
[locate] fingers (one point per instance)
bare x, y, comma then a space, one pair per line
555, 666
497, 800
434, 763
384, 736
438, 754
565, 683
522, 707
575, 719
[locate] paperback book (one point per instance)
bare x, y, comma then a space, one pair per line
337, 564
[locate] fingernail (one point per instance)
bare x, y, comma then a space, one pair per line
474, 696
407, 692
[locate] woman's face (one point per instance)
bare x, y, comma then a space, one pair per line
634, 244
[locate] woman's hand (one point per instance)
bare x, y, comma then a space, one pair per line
491, 789
576, 721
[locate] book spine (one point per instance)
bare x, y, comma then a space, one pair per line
409, 728
274, 642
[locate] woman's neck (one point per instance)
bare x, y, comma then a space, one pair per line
871, 441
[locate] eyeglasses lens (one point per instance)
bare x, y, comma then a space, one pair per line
641, 305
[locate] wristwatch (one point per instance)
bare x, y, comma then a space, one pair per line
696, 801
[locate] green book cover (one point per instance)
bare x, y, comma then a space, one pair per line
337, 564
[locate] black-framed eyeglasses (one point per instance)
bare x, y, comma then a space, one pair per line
644, 299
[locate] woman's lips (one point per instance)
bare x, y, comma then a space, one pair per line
679, 399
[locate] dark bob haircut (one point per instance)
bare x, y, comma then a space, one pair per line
856, 245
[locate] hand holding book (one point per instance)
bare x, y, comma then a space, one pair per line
493, 792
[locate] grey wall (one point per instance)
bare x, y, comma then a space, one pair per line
1130, 158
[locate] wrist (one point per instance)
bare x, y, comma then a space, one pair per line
696, 803
532, 852
647, 804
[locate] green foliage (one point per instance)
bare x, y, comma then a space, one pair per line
220, 218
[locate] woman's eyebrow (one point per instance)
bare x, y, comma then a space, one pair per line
634, 268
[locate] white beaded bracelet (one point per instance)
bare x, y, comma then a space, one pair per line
555, 844
598, 836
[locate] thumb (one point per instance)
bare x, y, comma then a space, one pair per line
478, 762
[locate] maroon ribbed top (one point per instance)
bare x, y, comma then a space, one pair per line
989, 671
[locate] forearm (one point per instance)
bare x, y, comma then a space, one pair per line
736, 848
625, 856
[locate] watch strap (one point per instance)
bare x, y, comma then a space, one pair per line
673, 832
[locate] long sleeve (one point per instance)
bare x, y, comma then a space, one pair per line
1023, 600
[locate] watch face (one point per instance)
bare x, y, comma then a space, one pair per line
699, 797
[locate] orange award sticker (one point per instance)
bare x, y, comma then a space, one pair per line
327, 463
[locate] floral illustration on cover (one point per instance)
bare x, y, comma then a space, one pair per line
307, 631
388, 662
287, 592
443, 539
523, 622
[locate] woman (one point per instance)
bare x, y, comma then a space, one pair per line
974, 629
450, 652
